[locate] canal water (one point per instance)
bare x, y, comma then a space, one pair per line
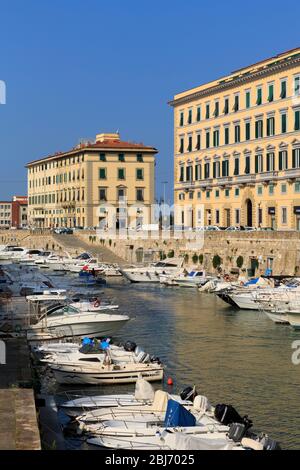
233, 356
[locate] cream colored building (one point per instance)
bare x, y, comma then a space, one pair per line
78, 187
237, 147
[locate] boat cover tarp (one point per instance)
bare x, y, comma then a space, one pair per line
143, 390
160, 402
180, 441
177, 415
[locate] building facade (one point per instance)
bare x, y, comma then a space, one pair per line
237, 148
13, 213
78, 187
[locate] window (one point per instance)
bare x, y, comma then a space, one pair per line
225, 168
237, 133
226, 135
247, 131
139, 174
271, 189
271, 93
121, 173
270, 126
226, 106
102, 173
181, 148
139, 158
236, 167
216, 138
282, 160
259, 190
236, 105
190, 144
297, 86
284, 215
283, 89
189, 173
259, 163
237, 216
296, 158
217, 216
191, 195
199, 194
121, 157
216, 169
283, 124
207, 136
217, 193
248, 99
217, 109
270, 161
297, 121
140, 194
283, 188
198, 172
102, 194
190, 116
297, 187
259, 96
181, 122
227, 192
247, 164
207, 194
181, 173
102, 157
237, 192
206, 170
198, 114
198, 144
207, 114
259, 129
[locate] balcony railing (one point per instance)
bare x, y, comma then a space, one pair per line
293, 173
246, 178
268, 175
224, 180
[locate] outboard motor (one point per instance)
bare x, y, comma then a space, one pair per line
189, 393
129, 346
237, 431
227, 414
155, 359
270, 444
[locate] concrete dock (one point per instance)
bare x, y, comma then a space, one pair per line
19, 428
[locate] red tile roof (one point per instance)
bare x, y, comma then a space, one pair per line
104, 145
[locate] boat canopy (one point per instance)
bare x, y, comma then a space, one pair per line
177, 415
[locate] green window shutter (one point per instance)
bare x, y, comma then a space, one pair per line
283, 123
256, 129
102, 173
198, 114
256, 163
268, 127
294, 159
207, 140
268, 162
280, 161
247, 131
297, 86
226, 136
196, 173
190, 117
121, 174
226, 106
236, 167
214, 169
259, 96
248, 99
283, 90
102, 157
297, 120
181, 119
139, 174
207, 112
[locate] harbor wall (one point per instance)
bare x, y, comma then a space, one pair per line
246, 251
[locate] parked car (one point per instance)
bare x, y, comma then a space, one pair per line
211, 228
233, 228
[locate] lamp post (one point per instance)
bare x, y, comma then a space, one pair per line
164, 192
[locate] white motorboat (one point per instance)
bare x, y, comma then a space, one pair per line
66, 321
12, 252
280, 318
93, 306
152, 273
98, 372
192, 279
47, 295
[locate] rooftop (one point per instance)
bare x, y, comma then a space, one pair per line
245, 72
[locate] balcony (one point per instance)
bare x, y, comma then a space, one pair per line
268, 176
293, 173
223, 181
245, 179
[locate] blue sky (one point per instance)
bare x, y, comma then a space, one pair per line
74, 68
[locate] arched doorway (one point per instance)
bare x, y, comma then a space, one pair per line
249, 212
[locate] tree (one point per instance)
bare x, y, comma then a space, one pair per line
217, 261
240, 261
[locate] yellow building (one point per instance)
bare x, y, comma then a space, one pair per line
237, 147
75, 188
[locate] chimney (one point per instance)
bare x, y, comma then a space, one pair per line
103, 137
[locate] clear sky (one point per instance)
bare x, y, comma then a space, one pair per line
74, 68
